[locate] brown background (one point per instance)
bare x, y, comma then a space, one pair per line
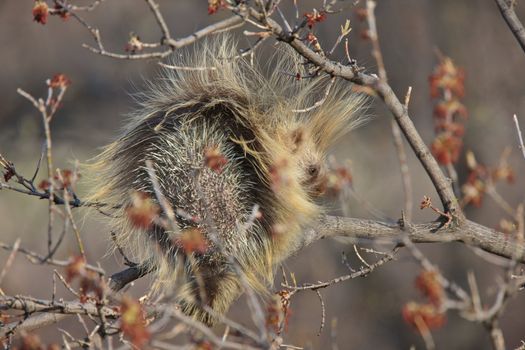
472, 32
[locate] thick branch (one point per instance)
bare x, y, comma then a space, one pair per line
470, 233
31, 305
49, 308
32, 323
441, 183
506, 8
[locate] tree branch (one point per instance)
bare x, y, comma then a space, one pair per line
120, 279
350, 73
470, 233
36, 258
506, 7
31, 305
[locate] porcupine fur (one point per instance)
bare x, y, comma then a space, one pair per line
275, 161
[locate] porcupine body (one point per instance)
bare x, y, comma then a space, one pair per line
274, 163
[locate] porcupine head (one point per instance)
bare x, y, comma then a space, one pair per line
236, 163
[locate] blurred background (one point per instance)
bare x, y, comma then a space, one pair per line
368, 310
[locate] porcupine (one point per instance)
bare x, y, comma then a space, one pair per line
273, 133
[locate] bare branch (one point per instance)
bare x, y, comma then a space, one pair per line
362, 272
31, 305
9, 261
396, 132
386, 93
506, 8
470, 233
36, 258
520, 137
160, 20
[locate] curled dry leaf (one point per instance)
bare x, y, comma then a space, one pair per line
428, 283
142, 211
428, 313
133, 323
446, 148
447, 76
214, 159
61, 11
336, 180
89, 281
425, 203
447, 86
59, 81
40, 12
215, 5
278, 311
134, 44
192, 240
314, 17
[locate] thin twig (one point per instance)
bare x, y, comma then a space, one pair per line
323, 312
425, 333
520, 137
396, 131
10, 260
154, 7
36, 258
372, 29
360, 257
67, 285
506, 8
362, 272
70, 216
